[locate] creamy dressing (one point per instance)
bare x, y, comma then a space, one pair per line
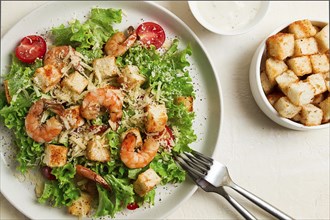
229, 15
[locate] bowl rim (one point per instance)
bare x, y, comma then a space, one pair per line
260, 53
260, 15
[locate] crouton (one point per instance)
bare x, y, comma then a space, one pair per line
325, 106
187, 101
105, 67
71, 117
322, 39
297, 117
300, 65
6, 87
285, 79
273, 97
97, 150
47, 77
285, 108
305, 46
300, 93
320, 63
55, 155
318, 83
326, 77
274, 68
75, 82
311, 115
82, 206
266, 85
130, 77
280, 46
302, 29
156, 118
145, 182
318, 99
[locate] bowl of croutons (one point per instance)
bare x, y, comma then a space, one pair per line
289, 75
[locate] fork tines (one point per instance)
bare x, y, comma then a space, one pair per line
196, 164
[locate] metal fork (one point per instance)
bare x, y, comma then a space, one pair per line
212, 176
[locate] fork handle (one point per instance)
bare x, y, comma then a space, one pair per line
244, 212
261, 203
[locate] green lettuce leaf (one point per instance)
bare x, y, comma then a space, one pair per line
89, 37
122, 194
23, 95
62, 191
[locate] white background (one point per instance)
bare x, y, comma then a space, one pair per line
289, 169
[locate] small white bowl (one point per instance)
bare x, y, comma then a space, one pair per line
198, 8
259, 95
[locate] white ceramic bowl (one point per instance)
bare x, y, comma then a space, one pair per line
259, 95
195, 7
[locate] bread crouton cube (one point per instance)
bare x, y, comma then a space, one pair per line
280, 46
274, 68
326, 77
305, 46
325, 106
145, 182
300, 93
187, 101
274, 96
47, 77
156, 118
55, 155
320, 63
130, 77
285, 108
105, 67
82, 206
71, 117
322, 39
7, 93
311, 115
300, 65
75, 82
297, 117
302, 28
265, 83
318, 83
285, 79
318, 99
97, 150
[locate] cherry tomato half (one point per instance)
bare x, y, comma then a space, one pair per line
30, 48
132, 206
151, 33
47, 173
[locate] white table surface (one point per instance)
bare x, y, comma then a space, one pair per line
289, 169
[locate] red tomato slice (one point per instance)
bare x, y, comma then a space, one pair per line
30, 48
151, 33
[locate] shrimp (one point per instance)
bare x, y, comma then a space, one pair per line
43, 132
131, 156
56, 55
107, 97
118, 44
89, 174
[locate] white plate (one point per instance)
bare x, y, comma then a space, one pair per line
208, 104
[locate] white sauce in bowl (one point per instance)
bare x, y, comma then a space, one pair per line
228, 15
